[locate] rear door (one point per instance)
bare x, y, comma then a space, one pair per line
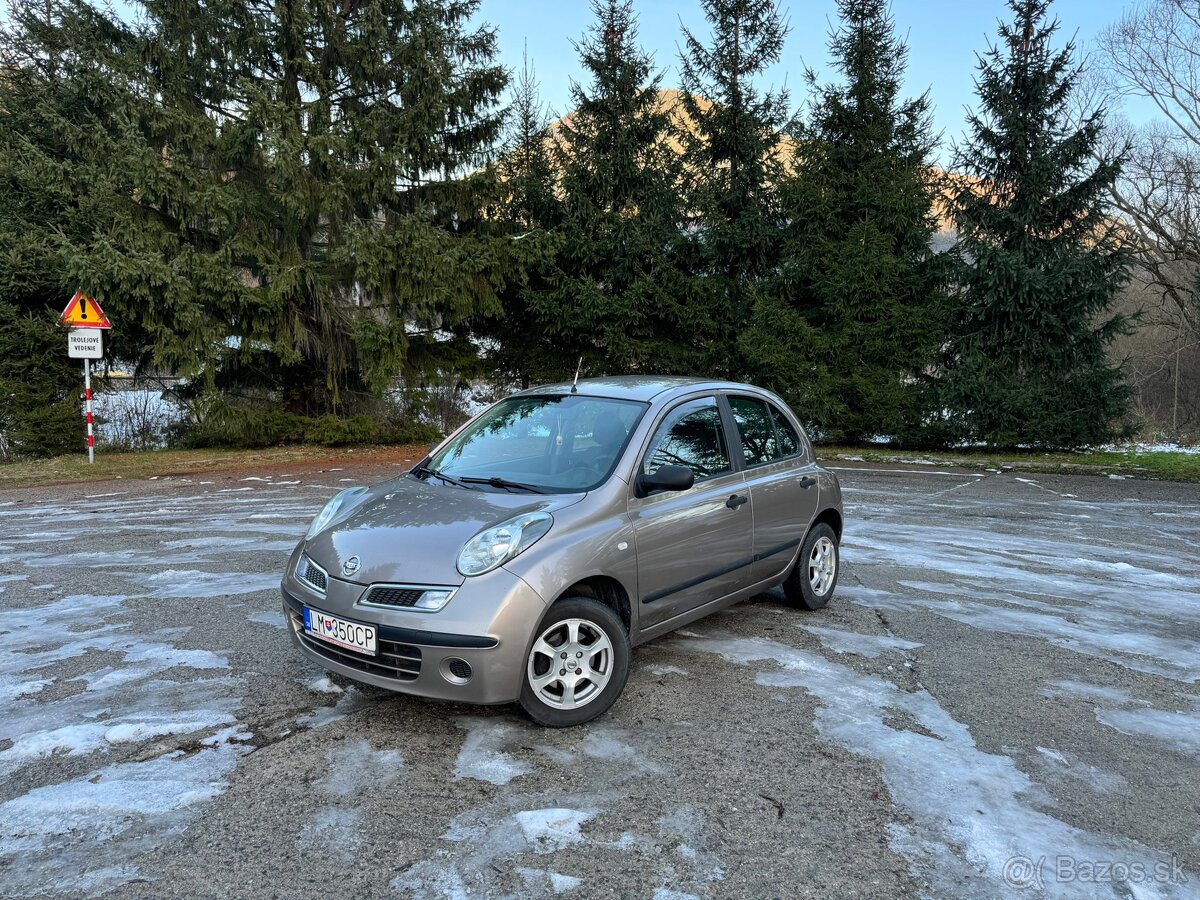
781, 476
693, 546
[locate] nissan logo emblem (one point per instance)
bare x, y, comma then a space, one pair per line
350, 566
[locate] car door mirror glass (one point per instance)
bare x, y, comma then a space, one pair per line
667, 478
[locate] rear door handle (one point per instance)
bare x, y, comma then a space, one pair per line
737, 500
807, 481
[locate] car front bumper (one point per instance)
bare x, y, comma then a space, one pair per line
414, 656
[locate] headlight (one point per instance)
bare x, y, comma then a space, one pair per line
325, 516
497, 545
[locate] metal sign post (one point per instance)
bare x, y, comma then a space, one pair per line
85, 340
87, 400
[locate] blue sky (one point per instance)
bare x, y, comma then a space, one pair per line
943, 37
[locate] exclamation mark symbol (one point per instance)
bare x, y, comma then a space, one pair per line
83, 307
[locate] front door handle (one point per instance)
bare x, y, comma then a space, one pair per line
807, 481
737, 500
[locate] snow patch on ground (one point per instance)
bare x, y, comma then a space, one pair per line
1152, 447
616, 745
7, 578
870, 645
129, 807
661, 670
351, 700
107, 711
355, 767
1060, 764
537, 880
268, 618
333, 831
130, 732
148, 691
971, 811
548, 830
1043, 584
1178, 730
431, 878
190, 583
324, 685
482, 756
491, 838
1086, 691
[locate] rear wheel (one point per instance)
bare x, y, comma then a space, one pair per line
812, 580
578, 664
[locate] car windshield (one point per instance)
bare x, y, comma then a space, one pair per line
554, 443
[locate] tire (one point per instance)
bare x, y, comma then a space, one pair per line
811, 583
563, 695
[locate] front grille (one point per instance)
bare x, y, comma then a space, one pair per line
394, 660
313, 574
393, 596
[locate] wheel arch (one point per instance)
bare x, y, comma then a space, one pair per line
606, 590
831, 517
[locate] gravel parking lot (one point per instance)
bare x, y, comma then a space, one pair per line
1001, 701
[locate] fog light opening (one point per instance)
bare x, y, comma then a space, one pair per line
456, 670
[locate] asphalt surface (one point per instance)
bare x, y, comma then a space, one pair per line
1001, 701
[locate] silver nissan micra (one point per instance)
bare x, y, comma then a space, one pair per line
535, 546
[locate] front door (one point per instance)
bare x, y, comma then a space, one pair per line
696, 545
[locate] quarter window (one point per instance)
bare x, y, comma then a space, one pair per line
691, 435
759, 443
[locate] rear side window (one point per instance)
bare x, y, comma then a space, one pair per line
759, 443
789, 440
691, 435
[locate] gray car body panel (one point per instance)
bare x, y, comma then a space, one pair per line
676, 557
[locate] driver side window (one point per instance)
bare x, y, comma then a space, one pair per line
691, 435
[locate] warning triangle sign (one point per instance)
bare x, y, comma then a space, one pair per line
84, 312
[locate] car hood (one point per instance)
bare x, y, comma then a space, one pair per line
409, 531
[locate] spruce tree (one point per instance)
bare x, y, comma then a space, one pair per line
612, 294
292, 191
731, 138
53, 195
1038, 262
859, 280
530, 208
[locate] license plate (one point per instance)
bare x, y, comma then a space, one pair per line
333, 630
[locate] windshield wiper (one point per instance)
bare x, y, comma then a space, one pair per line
498, 482
425, 470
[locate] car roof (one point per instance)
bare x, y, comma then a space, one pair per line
636, 387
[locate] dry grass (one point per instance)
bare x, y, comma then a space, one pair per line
1164, 466
159, 463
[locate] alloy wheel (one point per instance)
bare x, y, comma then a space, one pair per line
822, 566
570, 664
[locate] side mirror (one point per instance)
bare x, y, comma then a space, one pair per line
667, 478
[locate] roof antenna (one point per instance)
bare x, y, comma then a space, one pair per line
575, 383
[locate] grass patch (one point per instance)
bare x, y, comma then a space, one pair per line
160, 463
1160, 465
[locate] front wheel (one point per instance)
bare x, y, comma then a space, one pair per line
578, 664
811, 582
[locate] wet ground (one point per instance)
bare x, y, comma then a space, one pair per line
1001, 701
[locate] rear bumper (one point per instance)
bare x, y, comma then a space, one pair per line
420, 660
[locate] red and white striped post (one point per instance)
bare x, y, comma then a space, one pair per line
87, 399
